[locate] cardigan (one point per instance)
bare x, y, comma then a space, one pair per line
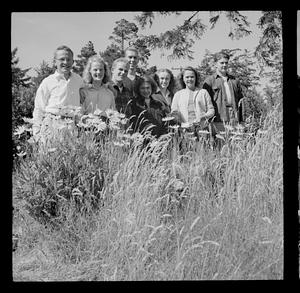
203, 105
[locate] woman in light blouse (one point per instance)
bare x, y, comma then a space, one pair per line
191, 105
96, 95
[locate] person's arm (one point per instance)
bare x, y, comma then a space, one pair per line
208, 87
240, 107
82, 100
210, 110
40, 103
113, 103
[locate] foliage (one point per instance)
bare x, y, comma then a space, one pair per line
43, 71
111, 53
18, 75
206, 214
124, 31
86, 52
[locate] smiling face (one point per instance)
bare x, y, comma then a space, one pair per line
97, 71
222, 66
189, 79
164, 79
63, 62
145, 89
132, 57
119, 72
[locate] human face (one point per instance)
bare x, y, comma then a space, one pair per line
145, 89
120, 72
164, 79
189, 79
97, 71
63, 62
222, 66
132, 57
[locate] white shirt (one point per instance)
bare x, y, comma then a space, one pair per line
227, 90
55, 91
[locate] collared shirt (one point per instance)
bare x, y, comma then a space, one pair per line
93, 99
55, 91
214, 84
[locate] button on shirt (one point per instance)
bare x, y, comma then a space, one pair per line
55, 91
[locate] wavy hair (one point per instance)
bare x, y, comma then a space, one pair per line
172, 84
181, 84
140, 81
86, 75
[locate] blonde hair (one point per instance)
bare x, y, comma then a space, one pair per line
87, 77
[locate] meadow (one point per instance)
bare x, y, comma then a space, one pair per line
95, 204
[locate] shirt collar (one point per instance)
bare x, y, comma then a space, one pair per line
60, 76
228, 75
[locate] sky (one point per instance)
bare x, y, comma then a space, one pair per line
38, 34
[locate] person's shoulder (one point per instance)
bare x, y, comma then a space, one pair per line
179, 92
77, 77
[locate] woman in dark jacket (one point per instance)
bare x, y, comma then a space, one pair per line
147, 113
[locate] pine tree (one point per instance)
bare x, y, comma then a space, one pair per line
86, 52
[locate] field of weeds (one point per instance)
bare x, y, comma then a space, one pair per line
109, 208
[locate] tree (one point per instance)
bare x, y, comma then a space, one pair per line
18, 75
86, 52
42, 72
111, 53
181, 39
19, 82
241, 65
124, 31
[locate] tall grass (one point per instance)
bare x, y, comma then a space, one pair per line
125, 212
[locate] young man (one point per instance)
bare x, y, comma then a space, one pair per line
132, 55
58, 89
226, 93
122, 94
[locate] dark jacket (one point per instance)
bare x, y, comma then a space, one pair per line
123, 98
214, 84
142, 117
129, 84
158, 96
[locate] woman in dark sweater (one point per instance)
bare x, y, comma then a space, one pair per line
147, 113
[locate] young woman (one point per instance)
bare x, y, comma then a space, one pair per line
146, 111
191, 105
95, 94
166, 87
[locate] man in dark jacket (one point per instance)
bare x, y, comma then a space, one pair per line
226, 94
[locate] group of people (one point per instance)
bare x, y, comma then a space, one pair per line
145, 100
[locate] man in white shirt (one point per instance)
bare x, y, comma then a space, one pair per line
58, 89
